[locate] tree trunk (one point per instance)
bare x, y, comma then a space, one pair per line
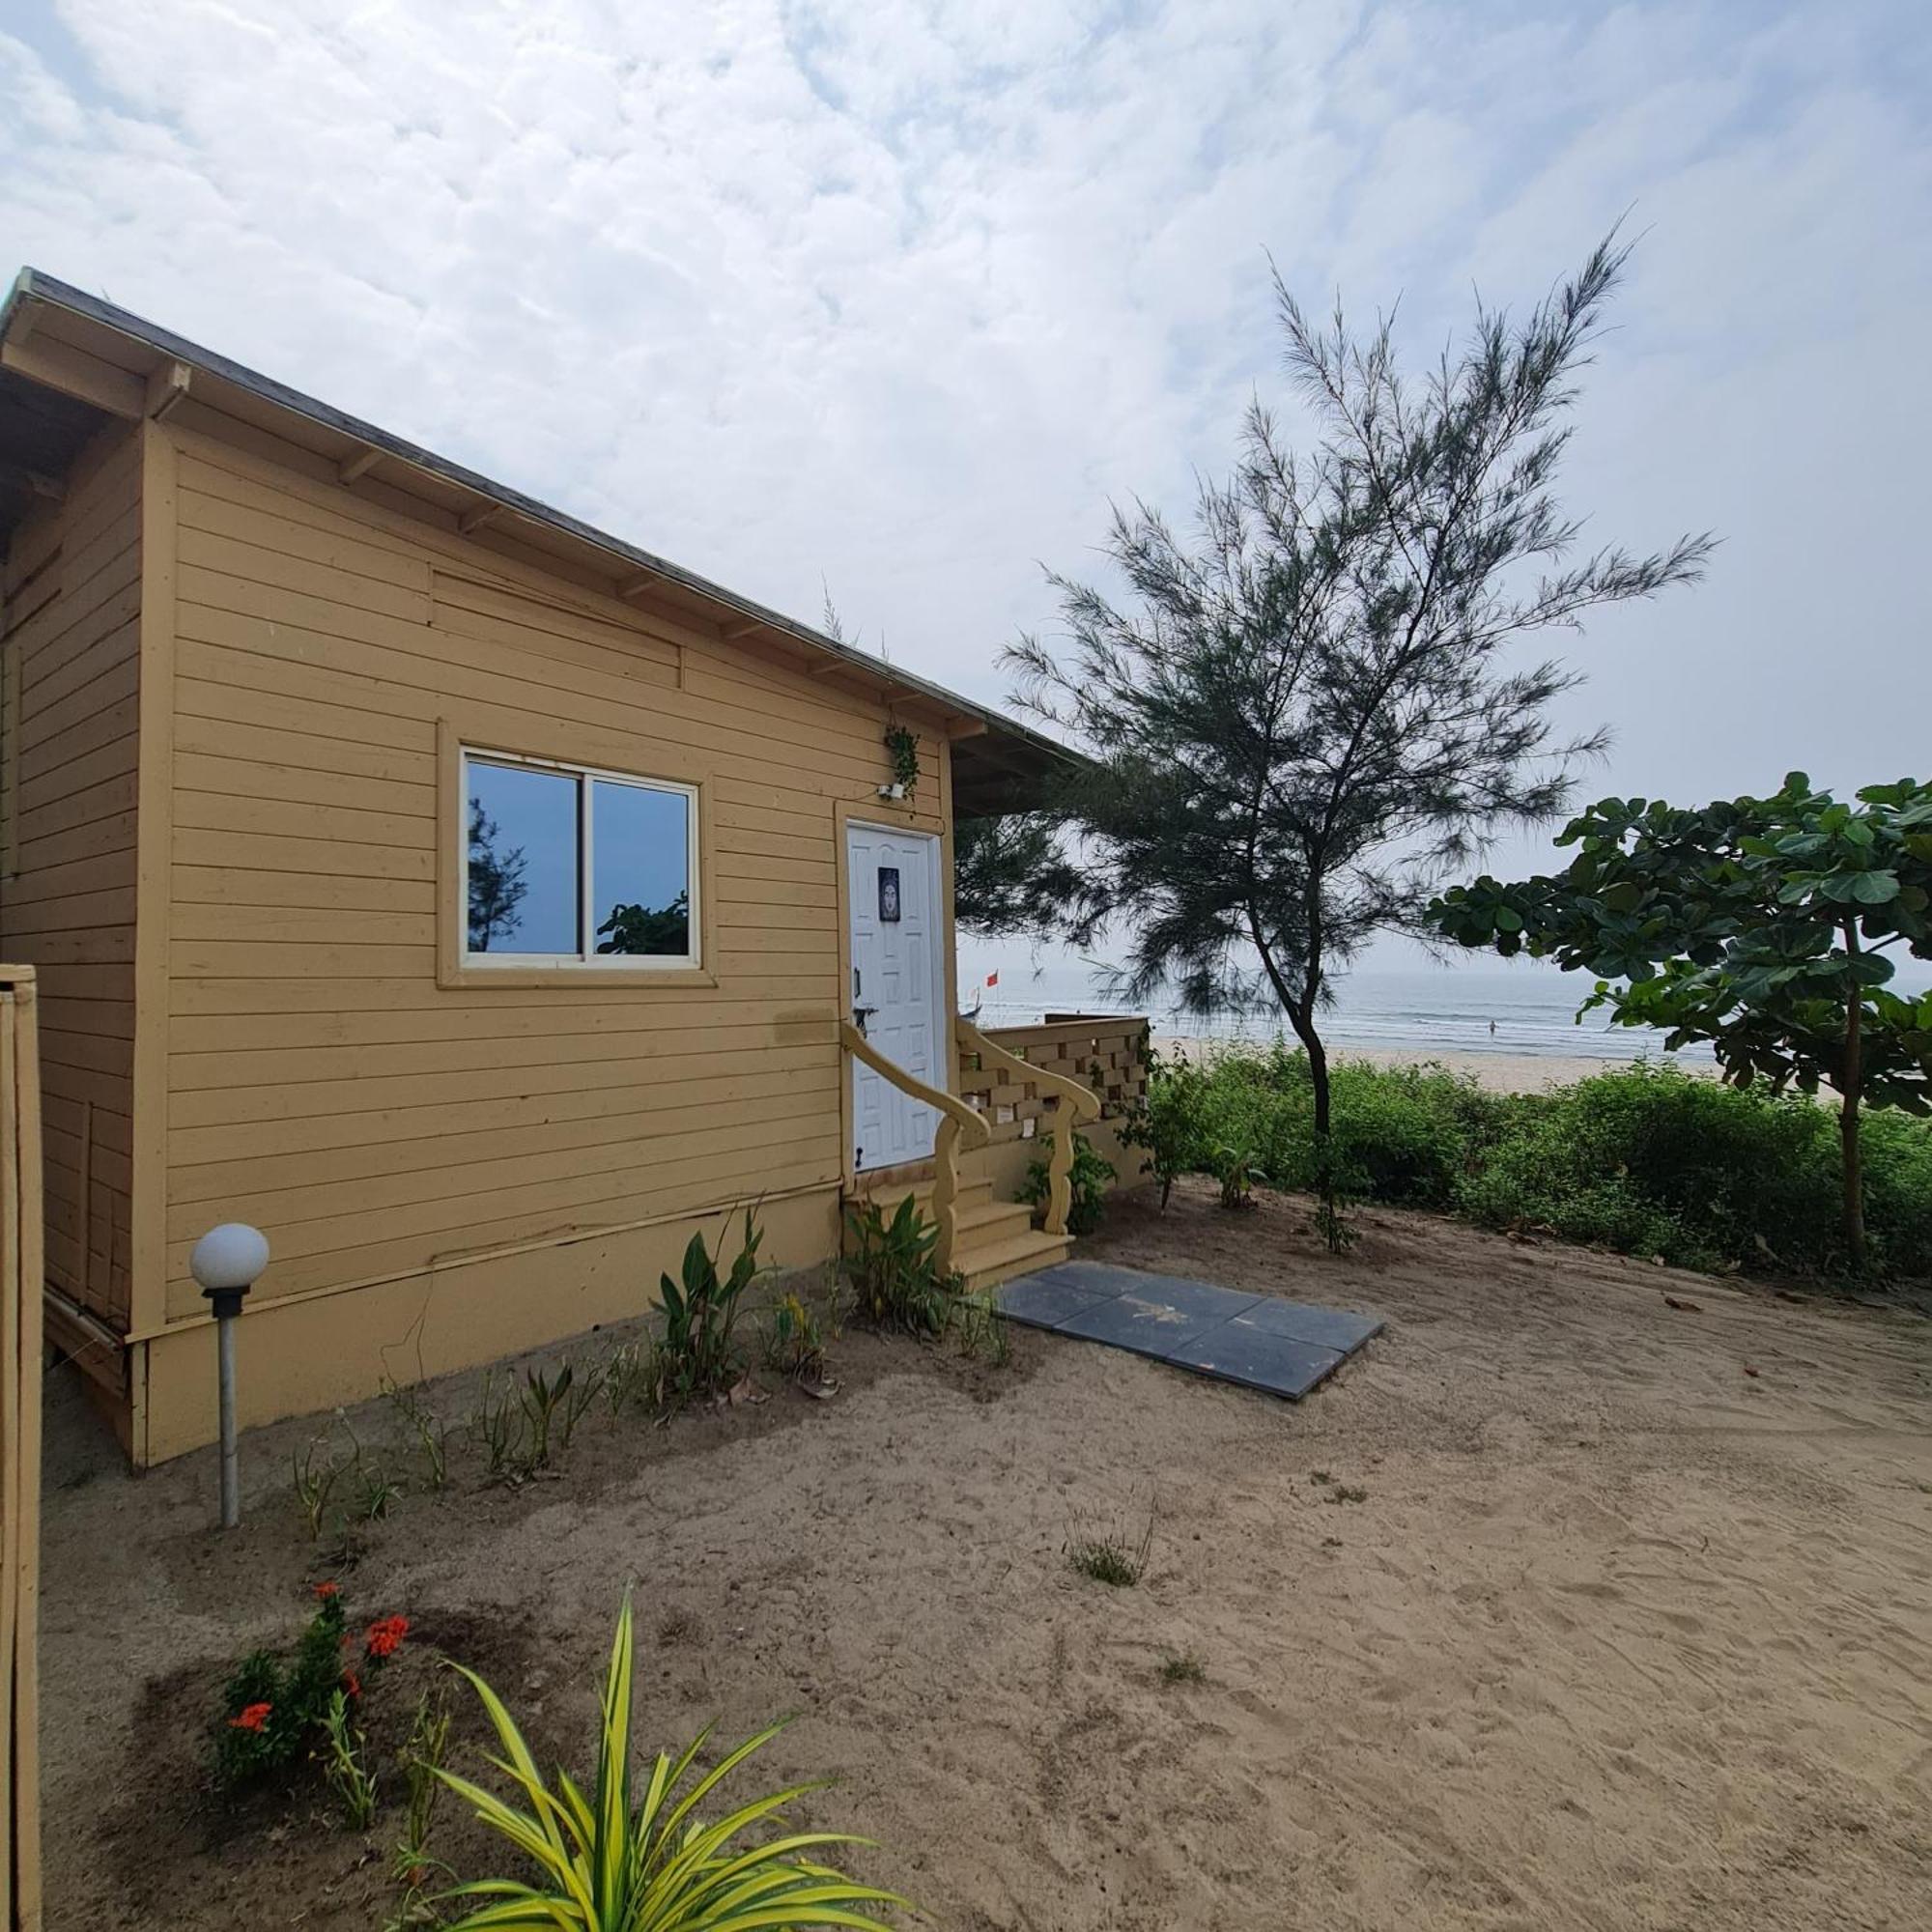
1300, 1013
1317, 1080
1852, 1081
1854, 1168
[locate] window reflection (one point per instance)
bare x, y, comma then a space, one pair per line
522, 860
641, 869
571, 866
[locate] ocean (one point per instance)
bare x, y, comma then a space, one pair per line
1525, 1010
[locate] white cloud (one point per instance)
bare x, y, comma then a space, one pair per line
898, 296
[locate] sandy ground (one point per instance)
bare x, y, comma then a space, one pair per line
1495, 1072
1623, 1618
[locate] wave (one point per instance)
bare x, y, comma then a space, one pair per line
1539, 1026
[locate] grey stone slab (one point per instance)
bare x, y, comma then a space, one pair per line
1339, 1328
1096, 1278
1146, 1327
1044, 1301
1257, 1358
1260, 1340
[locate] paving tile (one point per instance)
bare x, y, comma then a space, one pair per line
1044, 1301
1339, 1328
1095, 1278
1239, 1352
1259, 1340
1142, 1323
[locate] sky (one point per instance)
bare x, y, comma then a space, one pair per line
894, 299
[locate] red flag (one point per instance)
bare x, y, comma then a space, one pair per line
992, 979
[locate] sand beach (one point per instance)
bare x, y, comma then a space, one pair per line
1497, 1072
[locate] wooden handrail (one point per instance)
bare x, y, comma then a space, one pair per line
956, 1117
1082, 1105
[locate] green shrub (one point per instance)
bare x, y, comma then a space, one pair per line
633, 1847
1260, 1103
1089, 1178
699, 1355
1235, 1166
1643, 1158
896, 1282
792, 1340
1403, 1134
273, 1712
1898, 1189
1166, 1122
1652, 1160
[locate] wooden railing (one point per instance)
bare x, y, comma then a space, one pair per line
956, 1121
1077, 1105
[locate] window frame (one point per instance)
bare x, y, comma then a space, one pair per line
467, 967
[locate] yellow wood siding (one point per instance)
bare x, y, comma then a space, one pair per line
320, 1081
70, 695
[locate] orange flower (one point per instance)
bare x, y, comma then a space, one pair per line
252, 1718
385, 1639
327, 1589
352, 1684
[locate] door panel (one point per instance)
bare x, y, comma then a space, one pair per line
898, 985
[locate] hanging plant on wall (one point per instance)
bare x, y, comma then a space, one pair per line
903, 744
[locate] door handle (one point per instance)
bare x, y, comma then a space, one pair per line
860, 1015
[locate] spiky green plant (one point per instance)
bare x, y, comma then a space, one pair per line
896, 1282
700, 1358
610, 1863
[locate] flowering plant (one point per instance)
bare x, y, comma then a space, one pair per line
384, 1639
273, 1711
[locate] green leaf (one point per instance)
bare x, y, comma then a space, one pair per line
658, 1865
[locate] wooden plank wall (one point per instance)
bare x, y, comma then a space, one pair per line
321, 1084
69, 679
20, 1274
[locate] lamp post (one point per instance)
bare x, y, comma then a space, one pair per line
227, 1262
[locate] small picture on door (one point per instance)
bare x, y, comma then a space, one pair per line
889, 894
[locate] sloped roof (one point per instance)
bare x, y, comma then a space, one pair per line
67, 359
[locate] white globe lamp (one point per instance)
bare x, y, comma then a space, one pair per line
227, 1262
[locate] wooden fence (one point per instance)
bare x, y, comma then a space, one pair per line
20, 1284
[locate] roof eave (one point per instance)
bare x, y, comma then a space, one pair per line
32, 286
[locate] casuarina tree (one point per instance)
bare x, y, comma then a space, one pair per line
497, 882
1766, 926
1315, 707
1011, 875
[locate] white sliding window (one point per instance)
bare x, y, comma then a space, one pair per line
569, 866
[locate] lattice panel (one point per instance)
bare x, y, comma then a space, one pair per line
1108, 1057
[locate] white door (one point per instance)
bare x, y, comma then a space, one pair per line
897, 995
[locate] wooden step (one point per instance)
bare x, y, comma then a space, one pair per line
997, 1239
972, 1193
987, 1265
984, 1221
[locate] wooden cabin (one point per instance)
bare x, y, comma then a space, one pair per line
476, 904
